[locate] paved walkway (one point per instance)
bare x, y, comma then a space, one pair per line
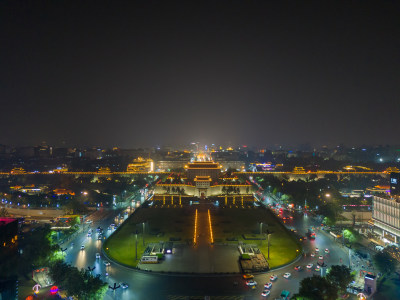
203, 257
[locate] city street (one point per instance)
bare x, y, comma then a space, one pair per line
143, 285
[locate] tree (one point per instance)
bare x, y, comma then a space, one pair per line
78, 283
328, 221
340, 276
37, 250
351, 236
317, 288
4, 212
329, 210
224, 190
38, 246
76, 207
384, 262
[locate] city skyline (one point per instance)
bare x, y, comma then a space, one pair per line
227, 149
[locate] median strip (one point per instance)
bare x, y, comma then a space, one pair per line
211, 231
195, 229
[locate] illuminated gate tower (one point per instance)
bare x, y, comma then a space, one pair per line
203, 173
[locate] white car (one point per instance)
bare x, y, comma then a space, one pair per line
124, 285
309, 266
273, 277
321, 257
287, 275
317, 268
316, 250
82, 247
106, 263
251, 282
326, 250
97, 255
312, 254
265, 293
268, 285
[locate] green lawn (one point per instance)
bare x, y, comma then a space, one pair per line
162, 224
234, 223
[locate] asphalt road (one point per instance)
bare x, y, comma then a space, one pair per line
153, 286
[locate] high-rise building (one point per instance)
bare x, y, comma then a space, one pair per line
386, 218
395, 184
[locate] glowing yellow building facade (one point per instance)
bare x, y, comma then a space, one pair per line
141, 165
203, 168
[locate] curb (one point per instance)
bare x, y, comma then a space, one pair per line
174, 274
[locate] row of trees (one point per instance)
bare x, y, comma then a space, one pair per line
174, 190
328, 287
384, 262
320, 193
338, 279
36, 249
230, 190
104, 187
77, 283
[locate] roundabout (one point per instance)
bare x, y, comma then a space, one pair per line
166, 285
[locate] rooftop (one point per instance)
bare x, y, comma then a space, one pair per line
202, 165
5, 221
202, 178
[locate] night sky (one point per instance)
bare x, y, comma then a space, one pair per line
149, 73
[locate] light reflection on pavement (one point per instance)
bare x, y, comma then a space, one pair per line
144, 285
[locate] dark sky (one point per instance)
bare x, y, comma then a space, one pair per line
151, 73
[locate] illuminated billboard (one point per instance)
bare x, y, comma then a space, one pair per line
395, 184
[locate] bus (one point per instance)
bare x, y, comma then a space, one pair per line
146, 259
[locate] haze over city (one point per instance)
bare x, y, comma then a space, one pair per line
133, 74
202, 150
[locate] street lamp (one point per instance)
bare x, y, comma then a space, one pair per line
114, 287
349, 258
143, 233
136, 233
268, 235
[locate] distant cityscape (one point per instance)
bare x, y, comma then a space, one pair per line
345, 200
199, 150
47, 158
